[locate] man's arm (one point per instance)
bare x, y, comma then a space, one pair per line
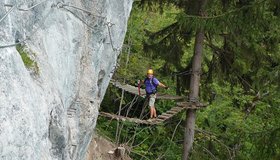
162, 85
158, 83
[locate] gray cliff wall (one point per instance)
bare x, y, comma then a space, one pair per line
49, 111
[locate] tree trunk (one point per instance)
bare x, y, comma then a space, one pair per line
194, 84
194, 94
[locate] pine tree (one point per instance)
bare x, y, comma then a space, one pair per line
242, 37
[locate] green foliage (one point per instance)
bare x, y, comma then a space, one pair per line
231, 127
25, 56
240, 78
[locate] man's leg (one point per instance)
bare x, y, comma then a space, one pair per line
151, 112
152, 105
154, 112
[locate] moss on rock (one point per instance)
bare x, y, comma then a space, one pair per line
27, 60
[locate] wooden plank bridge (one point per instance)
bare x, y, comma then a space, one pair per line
161, 118
134, 90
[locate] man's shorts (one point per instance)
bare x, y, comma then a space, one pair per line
152, 100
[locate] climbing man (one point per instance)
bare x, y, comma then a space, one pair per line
151, 84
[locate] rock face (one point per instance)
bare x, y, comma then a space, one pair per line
49, 111
103, 149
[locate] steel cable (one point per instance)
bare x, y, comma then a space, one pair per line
7, 13
21, 9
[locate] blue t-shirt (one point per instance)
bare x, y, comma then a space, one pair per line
151, 84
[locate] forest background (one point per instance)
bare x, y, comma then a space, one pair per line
240, 79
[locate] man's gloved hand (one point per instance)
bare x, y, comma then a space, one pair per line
166, 87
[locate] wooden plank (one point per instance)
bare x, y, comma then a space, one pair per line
171, 112
159, 120
177, 109
166, 114
163, 117
122, 118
